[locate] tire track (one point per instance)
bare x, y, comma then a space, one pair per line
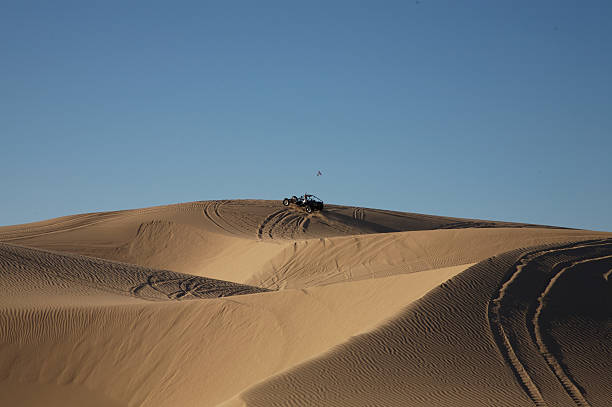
75, 222
503, 341
565, 380
173, 286
70, 225
278, 223
503, 334
270, 218
467, 224
283, 223
211, 212
358, 214
304, 222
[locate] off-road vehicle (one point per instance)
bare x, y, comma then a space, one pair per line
308, 202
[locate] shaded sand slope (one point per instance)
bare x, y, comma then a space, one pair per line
32, 276
213, 238
189, 352
501, 333
578, 329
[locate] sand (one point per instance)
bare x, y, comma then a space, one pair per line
247, 302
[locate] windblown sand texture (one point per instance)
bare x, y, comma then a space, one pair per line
249, 303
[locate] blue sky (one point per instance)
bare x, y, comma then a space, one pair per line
483, 109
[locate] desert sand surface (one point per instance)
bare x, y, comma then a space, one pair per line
249, 303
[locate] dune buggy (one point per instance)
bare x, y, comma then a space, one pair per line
308, 202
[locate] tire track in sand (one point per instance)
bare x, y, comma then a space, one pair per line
502, 334
174, 286
211, 212
358, 213
271, 218
303, 223
565, 380
283, 223
503, 341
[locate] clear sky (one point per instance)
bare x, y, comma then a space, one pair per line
485, 109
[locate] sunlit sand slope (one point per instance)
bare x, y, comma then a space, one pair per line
331, 260
185, 352
184, 238
530, 327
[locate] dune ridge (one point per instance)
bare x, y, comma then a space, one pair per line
47, 274
222, 240
330, 260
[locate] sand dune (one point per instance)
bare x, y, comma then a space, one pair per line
447, 349
249, 302
195, 352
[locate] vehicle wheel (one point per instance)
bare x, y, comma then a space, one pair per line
294, 199
286, 202
308, 209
